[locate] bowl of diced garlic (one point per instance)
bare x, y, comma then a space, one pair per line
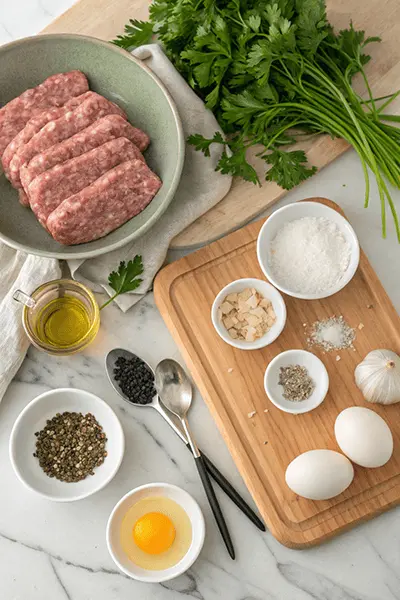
249, 314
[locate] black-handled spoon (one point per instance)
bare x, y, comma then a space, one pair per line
230, 491
176, 394
215, 507
174, 423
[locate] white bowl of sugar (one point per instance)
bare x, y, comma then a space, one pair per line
308, 250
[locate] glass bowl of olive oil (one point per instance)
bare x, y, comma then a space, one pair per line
60, 317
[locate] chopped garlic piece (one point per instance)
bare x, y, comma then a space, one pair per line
251, 334
228, 322
259, 312
226, 308
252, 302
232, 298
253, 321
265, 303
244, 295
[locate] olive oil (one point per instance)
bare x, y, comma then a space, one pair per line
63, 322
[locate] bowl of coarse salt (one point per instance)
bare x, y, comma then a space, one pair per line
308, 250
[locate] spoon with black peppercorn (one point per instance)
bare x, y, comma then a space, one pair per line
115, 368
175, 390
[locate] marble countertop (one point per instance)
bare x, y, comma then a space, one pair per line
58, 551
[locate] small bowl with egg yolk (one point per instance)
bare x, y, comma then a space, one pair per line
155, 532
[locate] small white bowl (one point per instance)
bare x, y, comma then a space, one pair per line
299, 210
192, 510
266, 290
33, 418
316, 370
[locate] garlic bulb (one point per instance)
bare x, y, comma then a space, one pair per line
378, 377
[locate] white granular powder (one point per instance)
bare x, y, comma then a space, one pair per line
309, 255
332, 334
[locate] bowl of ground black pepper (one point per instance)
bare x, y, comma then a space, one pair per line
66, 445
296, 381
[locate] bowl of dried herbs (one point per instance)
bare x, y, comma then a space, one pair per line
66, 445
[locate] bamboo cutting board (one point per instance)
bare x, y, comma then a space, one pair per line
231, 382
106, 18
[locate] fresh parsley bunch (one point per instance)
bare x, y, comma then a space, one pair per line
272, 71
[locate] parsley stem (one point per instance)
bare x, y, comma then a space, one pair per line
109, 300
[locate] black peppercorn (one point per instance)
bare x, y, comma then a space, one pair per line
135, 379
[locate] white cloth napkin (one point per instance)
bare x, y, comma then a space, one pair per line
18, 271
200, 188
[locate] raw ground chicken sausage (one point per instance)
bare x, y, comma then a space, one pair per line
34, 125
54, 91
100, 132
49, 189
105, 205
94, 107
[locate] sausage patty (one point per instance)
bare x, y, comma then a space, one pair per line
54, 91
94, 107
34, 125
100, 132
49, 189
109, 202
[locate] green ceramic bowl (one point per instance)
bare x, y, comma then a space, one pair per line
118, 76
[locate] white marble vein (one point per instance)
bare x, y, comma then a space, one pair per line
51, 551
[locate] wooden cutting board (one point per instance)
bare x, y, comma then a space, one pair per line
231, 382
106, 18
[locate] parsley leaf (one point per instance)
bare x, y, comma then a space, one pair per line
352, 42
126, 278
288, 168
260, 61
203, 144
311, 25
237, 165
254, 22
137, 33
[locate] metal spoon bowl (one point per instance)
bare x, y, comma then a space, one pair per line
155, 403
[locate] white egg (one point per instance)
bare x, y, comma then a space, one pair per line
364, 436
319, 474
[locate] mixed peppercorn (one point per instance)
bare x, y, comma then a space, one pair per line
70, 446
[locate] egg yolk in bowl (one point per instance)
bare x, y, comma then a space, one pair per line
154, 533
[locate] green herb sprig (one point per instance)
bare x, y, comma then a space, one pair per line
272, 71
125, 279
